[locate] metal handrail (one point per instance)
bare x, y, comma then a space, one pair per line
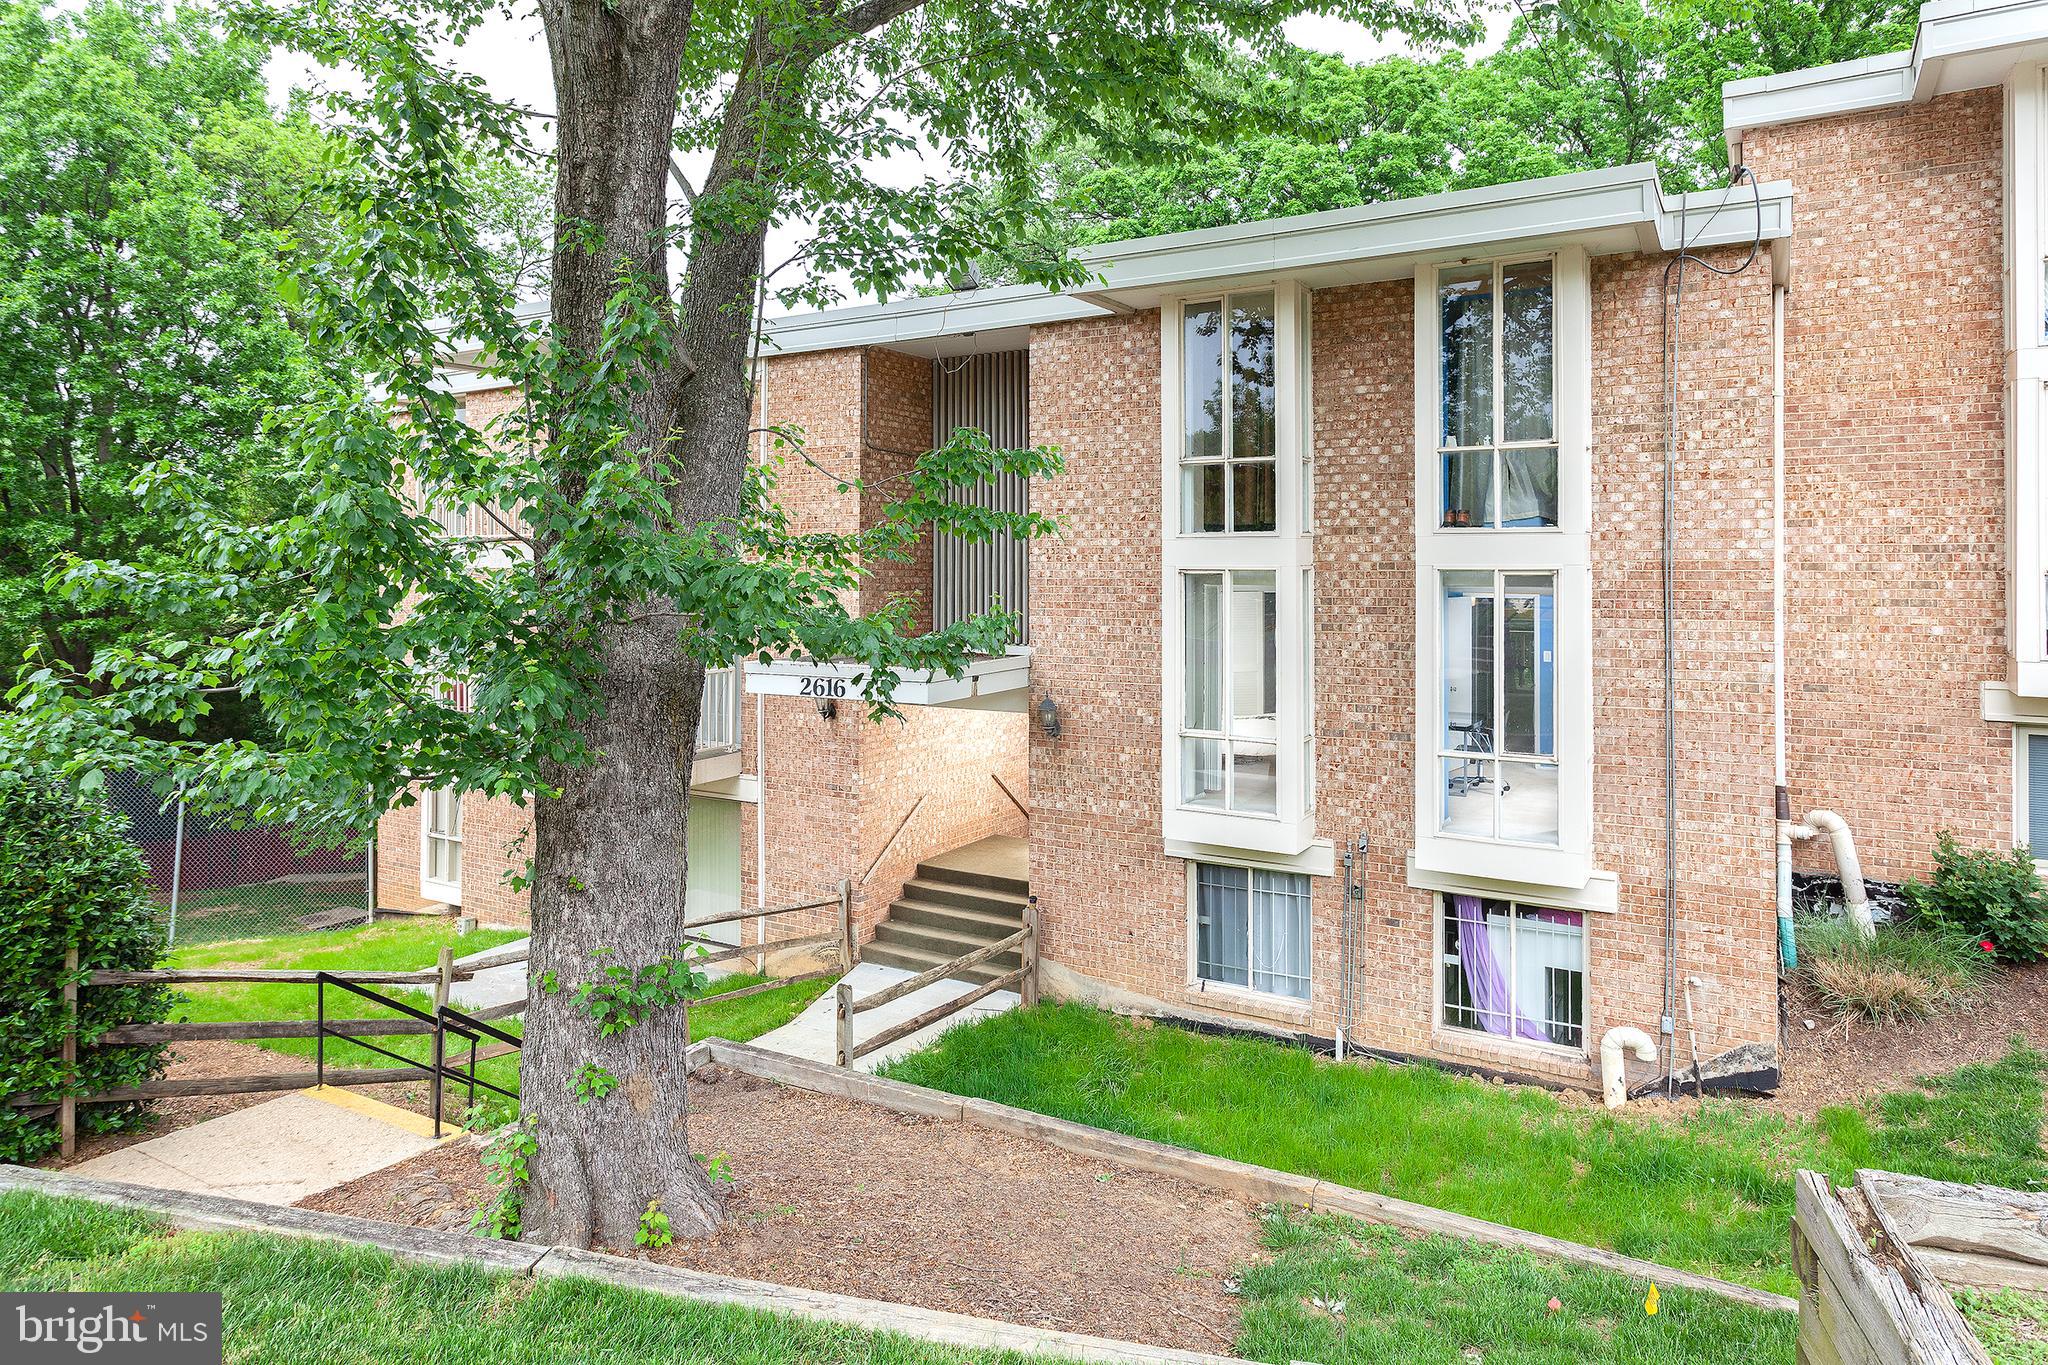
444, 1021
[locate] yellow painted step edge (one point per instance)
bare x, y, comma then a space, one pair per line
420, 1125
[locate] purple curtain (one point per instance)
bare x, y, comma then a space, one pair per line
1492, 992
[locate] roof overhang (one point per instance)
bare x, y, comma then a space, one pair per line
1606, 212
1958, 45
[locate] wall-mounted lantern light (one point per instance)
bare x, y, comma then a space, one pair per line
828, 709
1049, 716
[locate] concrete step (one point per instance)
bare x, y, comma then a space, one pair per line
1017, 887
956, 919
916, 960
943, 942
980, 898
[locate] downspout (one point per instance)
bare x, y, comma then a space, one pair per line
1788, 948
1855, 896
1613, 1070
760, 713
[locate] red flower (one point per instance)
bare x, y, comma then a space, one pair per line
1987, 945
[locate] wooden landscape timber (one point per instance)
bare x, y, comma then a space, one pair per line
1259, 1183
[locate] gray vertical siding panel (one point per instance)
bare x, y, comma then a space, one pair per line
991, 392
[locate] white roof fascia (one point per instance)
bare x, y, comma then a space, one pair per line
1625, 200
1949, 30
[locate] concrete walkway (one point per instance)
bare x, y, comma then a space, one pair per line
503, 985
277, 1152
813, 1035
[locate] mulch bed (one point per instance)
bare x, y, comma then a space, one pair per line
836, 1195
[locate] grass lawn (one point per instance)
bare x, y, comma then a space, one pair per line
405, 945
1341, 1292
293, 1299
2011, 1326
1709, 1190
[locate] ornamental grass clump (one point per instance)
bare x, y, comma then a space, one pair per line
69, 878
1907, 971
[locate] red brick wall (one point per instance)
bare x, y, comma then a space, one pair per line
896, 430
1115, 907
1895, 474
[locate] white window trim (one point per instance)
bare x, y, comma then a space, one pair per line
2026, 248
1564, 550
1285, 551
1509, 1045
1257, 1001
2021, 814
432, 888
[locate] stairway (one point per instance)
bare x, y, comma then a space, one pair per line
957, 902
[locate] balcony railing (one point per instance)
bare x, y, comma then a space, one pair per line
718, 725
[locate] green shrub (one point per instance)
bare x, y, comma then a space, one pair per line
1908, 971
1992, 895
69, 878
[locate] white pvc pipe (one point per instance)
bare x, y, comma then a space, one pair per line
1613, 1074
1855, 897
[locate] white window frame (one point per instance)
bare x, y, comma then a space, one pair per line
1499, 444
1563, 550
1498, 754
2026, 343
1227, 458
1459, 1036
2022, 807
1285, 551
1224, 991
432, 888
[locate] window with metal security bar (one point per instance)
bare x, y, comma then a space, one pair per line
991, 393
1514, 971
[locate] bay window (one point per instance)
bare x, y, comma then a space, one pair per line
1236, 590
1503, 615
1252, 929
1514, 971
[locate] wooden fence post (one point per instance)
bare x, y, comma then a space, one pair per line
849, 949
845, 1047
445, 971
67, 1107
1030, 983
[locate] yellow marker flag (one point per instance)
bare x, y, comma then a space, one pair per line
1650, 1303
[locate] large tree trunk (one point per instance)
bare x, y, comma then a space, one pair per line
610, 843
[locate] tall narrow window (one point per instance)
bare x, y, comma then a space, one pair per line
1515, 971
441, 843
1252, 929
1497, 754
1497, 438
1230, 692
1229, 421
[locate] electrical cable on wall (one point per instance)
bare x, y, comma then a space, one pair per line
1673, 316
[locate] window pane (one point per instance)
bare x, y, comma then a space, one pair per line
1526, 338
1201, 339
1465, 319
1549, 982
2037, 794
1528, 493
1221, 929
1528, 802
1255, 497
1514, 971
1201, 498
1279, 933
1528, 671
1468, 796
1468, 676
1201, 773
1468, 488
1202, 651
1254, 768
1251, 377
1254, 661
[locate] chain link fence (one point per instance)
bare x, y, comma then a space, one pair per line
224, 879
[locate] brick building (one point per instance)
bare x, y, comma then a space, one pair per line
1343, 705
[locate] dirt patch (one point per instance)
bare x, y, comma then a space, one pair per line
835, 1195
1840, 1061
206, 1061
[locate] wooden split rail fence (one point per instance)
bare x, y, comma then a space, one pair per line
1024, 981
409, 1021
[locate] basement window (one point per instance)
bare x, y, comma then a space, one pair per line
1252, 929
1514, 971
